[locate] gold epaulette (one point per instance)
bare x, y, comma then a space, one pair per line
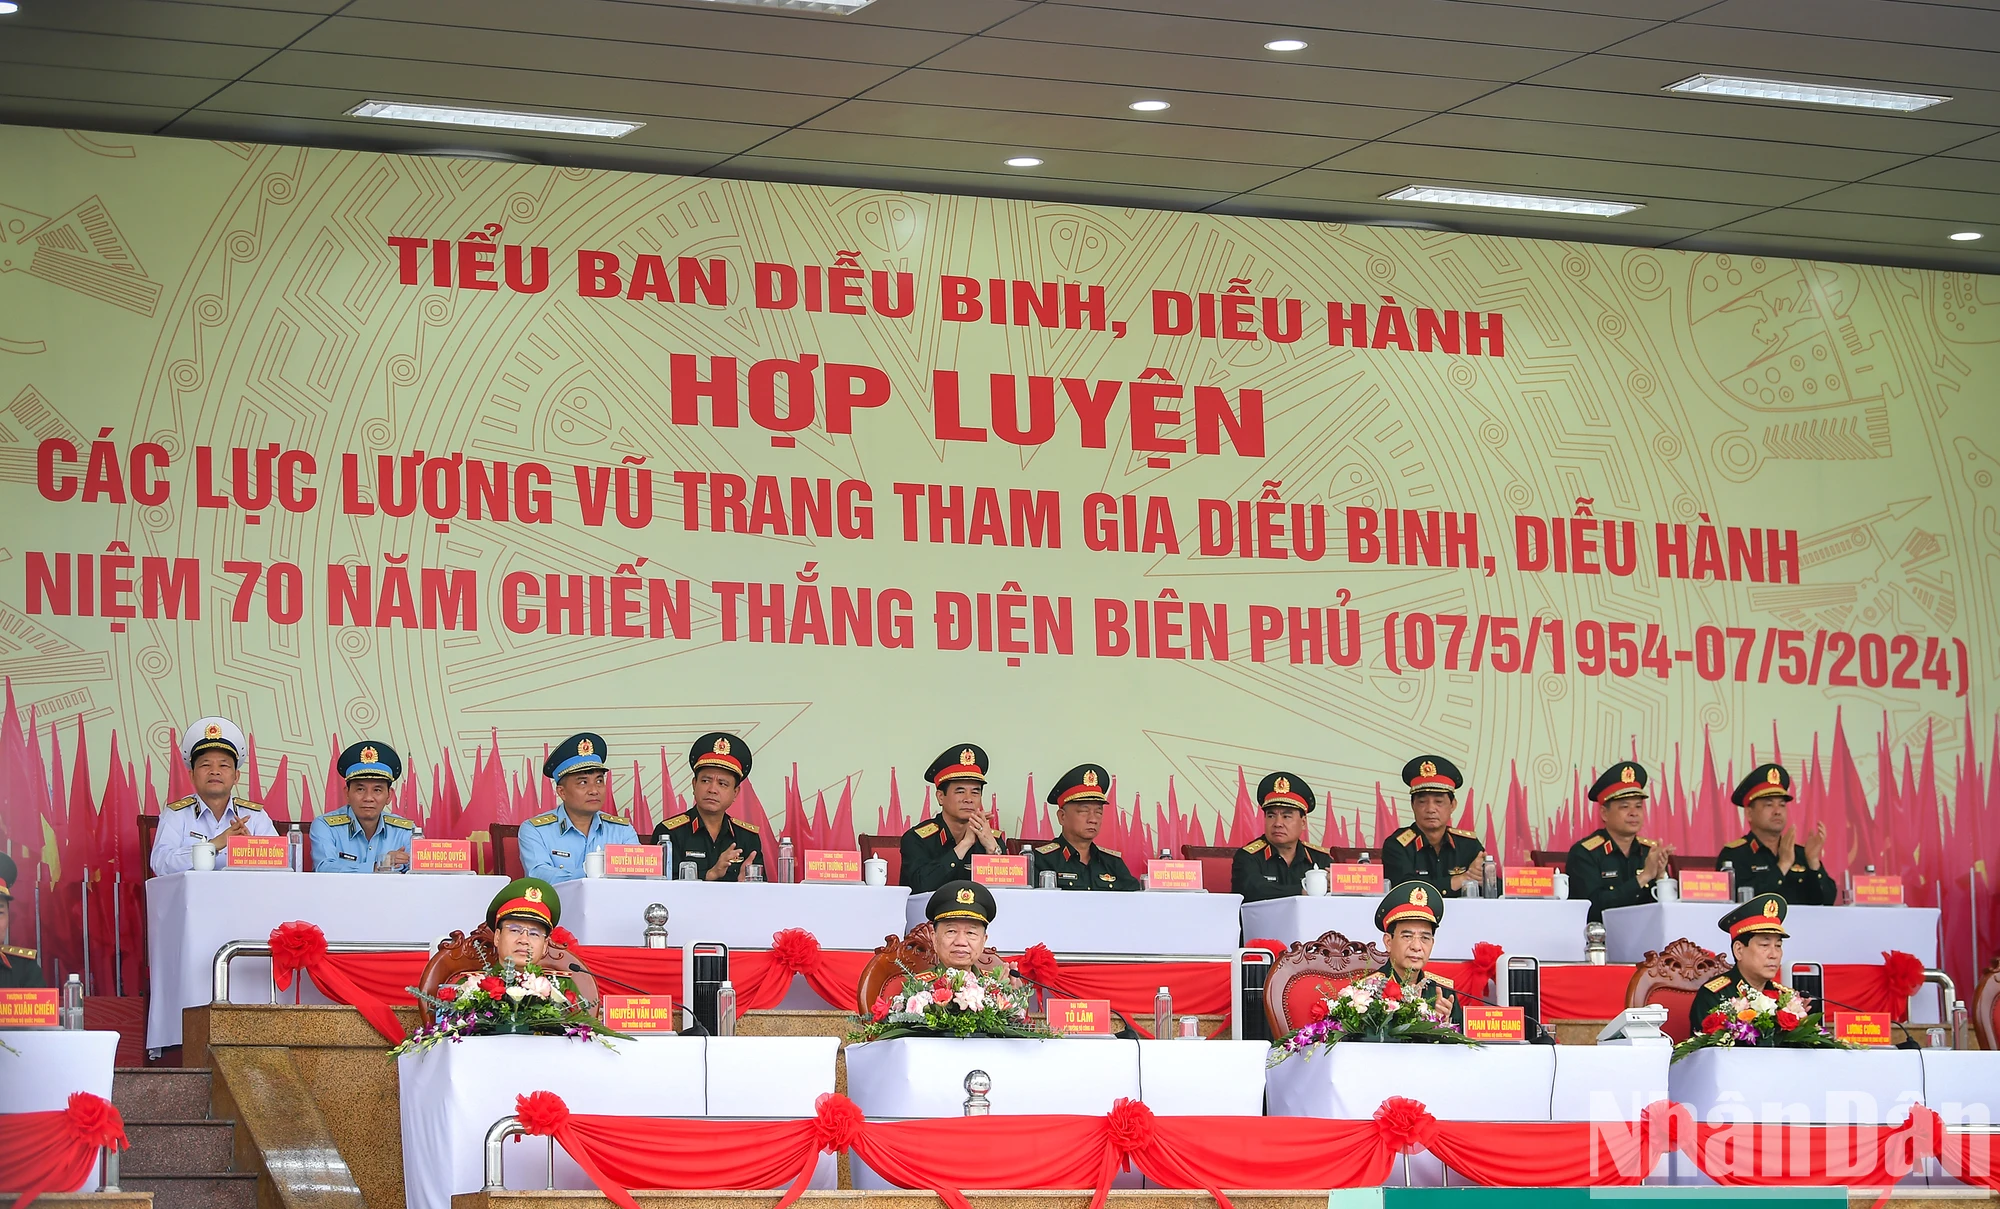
1049, 847
926, 830
18, 951
341, 819
1111, 852
676, 821
1317, 848
748, 826
1255, 846
541, 820
1470, 835
1738, 842
395, 820
612, 818
1440, 979
247, 804
183, 803
1716, 984
1593, 843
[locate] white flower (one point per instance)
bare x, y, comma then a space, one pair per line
917, 1002
971, 997
517, 993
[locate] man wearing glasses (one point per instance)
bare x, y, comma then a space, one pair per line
1074, 856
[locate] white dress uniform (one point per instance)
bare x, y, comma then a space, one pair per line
185, 820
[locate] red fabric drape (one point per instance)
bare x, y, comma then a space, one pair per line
302, 946
55, 1151
1861, 1156
1199, 988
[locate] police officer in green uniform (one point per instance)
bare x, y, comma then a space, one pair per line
522, 917
1430, 849
1612, 866
940, 849
1408, 916
722, 848
1757, 944
1275, 866
1074, 855
18, 967
959, 913
1770, 860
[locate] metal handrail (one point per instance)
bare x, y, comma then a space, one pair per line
219, 984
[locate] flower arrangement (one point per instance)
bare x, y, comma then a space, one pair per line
950, 1003
1374, 1008
1783, 1017
502, 999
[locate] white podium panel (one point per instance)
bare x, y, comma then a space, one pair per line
742, 915
1547, 928
50, 1064
1075, 921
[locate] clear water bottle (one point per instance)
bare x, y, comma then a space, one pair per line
1491, 879
1163, 1014
295, 849
785, 862
72, 1003
725, 1009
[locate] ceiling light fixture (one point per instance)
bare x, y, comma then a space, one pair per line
497, 119
1149, 106
1283, 44
1748, 89
1965, 236
837, 7
8, 6
1442, 196
1024, 161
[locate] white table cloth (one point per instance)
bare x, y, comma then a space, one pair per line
1963, 1086
452, 1094
925, 1077
49, 1065
1069, 921
191, 915
1828, 935
1350, 1081
611, 911
1822, 1087
1547, 928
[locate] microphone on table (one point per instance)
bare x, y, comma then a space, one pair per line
577, 967
1542, 1035
1810, 975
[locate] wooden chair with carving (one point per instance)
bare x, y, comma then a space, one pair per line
898, 954
461, 953
1313, 970
1670, 977
1986, 1008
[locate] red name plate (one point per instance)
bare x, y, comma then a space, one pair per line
1080, 1017
1530, 882
440, 856
1173, 875
257, 852
1484, 1023
989, 870
30, 1007
1355, 879
1878, 890
832, 865
1704, 885
640, 1013
1862, 1028
634, 860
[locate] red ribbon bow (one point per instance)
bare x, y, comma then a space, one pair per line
1038, 964
294, 946
93, 1121
1477, 974
541, 1113
1404, 1125
837, 1122
795, 950
1902, 974
1130, 1127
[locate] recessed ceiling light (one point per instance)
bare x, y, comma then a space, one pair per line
1285, 44
8, 6
1149, 106
842, 7
498, 119
1965, 236
1024, 161
1805, 94
1438, 195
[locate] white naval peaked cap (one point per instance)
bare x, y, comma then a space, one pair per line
212, 734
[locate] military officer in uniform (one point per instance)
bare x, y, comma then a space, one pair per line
1757, 945
959, 913
553, 845
939, 849
364, 835
1275, 866
213, 750
1074, 855
522, 916
1430, 849
1612, 866
1408, 916
1769, 859
18, 967
722, 848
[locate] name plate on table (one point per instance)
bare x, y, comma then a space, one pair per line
257, 852
1483, 1023
1529, 882
1878, 890
990, 870
1862, 1028
640, 1013
1704, 885
440, 856
832, 865
30, 1007
1173, 875
1355, 879
1081, 1017
634, 860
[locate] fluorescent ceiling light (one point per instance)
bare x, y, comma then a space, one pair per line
1965, 236
1805, 94
1285, 44
1439, 195
497, 119
8, 6
1029, 161
839, 7
1149, 106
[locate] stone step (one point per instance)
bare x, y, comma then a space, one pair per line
160, 1093
228, 1190
179, 1147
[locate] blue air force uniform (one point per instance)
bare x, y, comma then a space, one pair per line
552, 847
338, 843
